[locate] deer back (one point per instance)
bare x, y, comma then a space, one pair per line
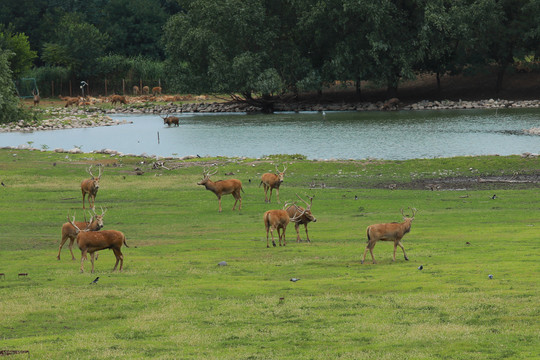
276, 218
100, 240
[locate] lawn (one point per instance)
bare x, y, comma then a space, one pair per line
173, 301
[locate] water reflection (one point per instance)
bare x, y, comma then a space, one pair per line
339, 135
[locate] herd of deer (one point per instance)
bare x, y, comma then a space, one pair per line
91, 239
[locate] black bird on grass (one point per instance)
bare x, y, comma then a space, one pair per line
95, 281
420, 267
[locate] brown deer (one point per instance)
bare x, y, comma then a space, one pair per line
92, 241
136, 90
223, 187
278, 220
390, 104
303, 216
117, 99
37, 99
69, 232
90, 187
145, 90
156, 90
171, 120
272, 181
388, 232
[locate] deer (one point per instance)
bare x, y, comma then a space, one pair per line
69, 232
156, 90
389, 232
223, 187
136, 90
92, 241
272, 181
390, 104
37, 99
145, 90
90, 187
117, 99
303, 216
278, 220
171, 120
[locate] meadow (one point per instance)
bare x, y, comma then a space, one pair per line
173, 301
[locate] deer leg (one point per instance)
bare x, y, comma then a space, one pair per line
296, 226
272, 233
307, 235
92, 206
83, 257
70, 249
277, 195
284, 229
402, 248
119, 258
267, 229
92, 261
219, 202
83, 196
62, 242
270, 197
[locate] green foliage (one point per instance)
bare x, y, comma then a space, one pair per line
18, 44
9, 103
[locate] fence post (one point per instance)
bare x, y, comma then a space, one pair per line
52, 88
123, 86
106, 93
70, 89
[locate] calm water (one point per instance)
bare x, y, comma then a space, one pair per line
338, 135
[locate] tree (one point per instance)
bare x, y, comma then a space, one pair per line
22, 58
9, 109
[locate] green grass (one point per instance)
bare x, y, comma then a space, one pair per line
172, 301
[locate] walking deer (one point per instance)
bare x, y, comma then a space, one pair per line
223, 187
69, 232
388, 232
92, 241
272, 181
171, 120
302, 216
90, 187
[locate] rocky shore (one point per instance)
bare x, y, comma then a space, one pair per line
92, 116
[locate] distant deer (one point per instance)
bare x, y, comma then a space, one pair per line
69, 232
223, 187
90, 187
146, 90
136, 90
118, 99
302, 216
272, 181
92, 241
171, 120
37, 99
388, 232
156, 90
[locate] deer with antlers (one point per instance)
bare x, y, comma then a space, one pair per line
272, 181
302, 215
92, 241
278, 220
171, 120
389, 232
90, 187
223, 187
69, 232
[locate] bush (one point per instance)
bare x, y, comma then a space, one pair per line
9, 103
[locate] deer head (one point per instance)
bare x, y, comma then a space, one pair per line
206, 176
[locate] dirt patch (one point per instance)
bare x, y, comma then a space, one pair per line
470, 183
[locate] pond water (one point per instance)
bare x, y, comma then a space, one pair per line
335, 135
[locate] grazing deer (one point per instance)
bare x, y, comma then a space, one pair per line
391, 104
388, 232
69, 232
37, 99
171, 120
90, 187
272, 181
145, 90
117, 99
223, 187
136, 90
92, 241
303, 216
156, 90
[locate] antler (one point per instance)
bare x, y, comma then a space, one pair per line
277, 170
310, 202
414, 211
72, 222
89, 170
207, 174
298, 213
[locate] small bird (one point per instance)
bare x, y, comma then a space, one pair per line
294, 279
95, 281
3, 184
468, 243
490, 276
355, 197
494, 197
222, 263
420, 267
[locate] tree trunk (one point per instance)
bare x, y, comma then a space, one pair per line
439, 83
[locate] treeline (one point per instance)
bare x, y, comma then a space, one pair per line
260, 48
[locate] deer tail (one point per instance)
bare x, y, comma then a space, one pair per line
125, 243
368, 237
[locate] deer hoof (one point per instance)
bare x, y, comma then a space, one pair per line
273, 243
406, 258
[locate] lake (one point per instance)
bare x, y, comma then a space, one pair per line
394, 135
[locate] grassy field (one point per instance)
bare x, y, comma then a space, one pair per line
173, 301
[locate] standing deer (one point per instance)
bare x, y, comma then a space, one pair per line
171, 120
90, 187
156, 90
136, 90
223, 187
92, 241
37, 99
278, 220
303, 216
388, 232
69, 232
272, 181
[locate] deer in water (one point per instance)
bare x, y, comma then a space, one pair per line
92, 241
171, 120
69, 232
388, 232
272, 181
278, 220
223, 187
303, 216
90, 187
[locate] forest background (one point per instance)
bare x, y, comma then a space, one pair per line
263, 49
